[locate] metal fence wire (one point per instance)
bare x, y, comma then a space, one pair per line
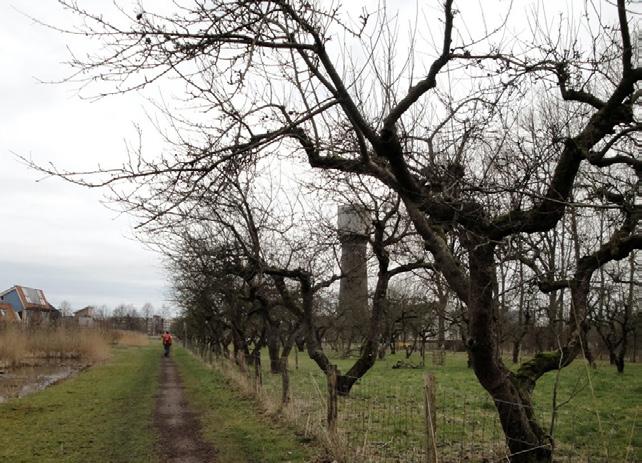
382, 423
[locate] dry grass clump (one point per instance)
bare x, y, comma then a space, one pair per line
129, 338
24, 344
297, 413
13, 346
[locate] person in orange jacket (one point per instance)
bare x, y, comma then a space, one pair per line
167, 342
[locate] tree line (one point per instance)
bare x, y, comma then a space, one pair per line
498, 161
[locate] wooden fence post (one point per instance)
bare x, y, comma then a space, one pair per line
431, 418
332, 399
240, 356
285, 382
258, 377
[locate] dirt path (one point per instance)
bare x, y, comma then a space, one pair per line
179, 430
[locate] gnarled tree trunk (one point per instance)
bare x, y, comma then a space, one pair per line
527, 441
370, 347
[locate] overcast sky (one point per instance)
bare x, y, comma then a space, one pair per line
59, 237
56, 236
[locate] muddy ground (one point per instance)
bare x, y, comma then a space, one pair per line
176, 424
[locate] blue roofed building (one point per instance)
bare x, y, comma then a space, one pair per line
29, 303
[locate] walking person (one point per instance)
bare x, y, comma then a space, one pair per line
167, 342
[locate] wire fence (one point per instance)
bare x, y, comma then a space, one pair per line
382, 422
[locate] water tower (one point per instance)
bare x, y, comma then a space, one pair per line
352, 226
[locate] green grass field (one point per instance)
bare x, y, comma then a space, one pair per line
230, 421
599, 411
105, 414
101, 415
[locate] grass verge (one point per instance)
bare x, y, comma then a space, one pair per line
102, 415
231, 422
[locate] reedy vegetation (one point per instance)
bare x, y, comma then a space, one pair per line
28, 344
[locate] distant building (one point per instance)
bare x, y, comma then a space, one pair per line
154, 325
86, 316
157, 325
29, 303
7, 314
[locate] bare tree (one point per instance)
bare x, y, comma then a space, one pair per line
390, 240
273, 82
65, 308
614, 316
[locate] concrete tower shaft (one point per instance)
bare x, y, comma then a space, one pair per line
353, 288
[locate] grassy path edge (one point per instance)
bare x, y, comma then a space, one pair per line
233, 423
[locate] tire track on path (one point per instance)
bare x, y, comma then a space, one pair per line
179, 430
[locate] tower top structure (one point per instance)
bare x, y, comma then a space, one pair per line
352, 220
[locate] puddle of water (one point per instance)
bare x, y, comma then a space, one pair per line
23, 381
